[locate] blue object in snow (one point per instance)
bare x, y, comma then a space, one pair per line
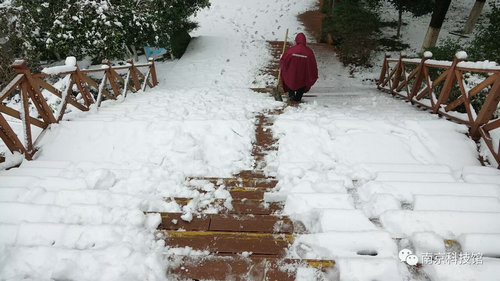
153, 52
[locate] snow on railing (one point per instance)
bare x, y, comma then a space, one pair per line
76, 90
441, 87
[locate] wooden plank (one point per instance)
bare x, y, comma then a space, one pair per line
9, 137
251, 223
240, 182
479, 87
419, 76
440, 78
474, 91
242, 193
230, 242
153, 72
243, 206
111, 79
58, 93
492, 125
485, 135
37, 98
173, 221
26, 120
96, 86
228, 222
135, 78
14, 113
38, 106
447, 87
257, 207
383, 72
144, 78
64, 102
480, 70
489, 106
11, 86
464, 96
240, 268
84, 90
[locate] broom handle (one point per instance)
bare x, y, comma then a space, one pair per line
282, 52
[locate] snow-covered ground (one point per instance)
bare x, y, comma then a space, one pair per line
368, 175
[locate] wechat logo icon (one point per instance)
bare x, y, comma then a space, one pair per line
407, 256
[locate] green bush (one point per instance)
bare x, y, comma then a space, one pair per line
352, 28
55, 29
12, 45
446, 50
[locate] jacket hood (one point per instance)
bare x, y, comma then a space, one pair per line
300, 39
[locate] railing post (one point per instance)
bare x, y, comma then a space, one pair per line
111, 79
153, 72
33, 90
383, 72
397, 75
21, 68
448, 85
82, 87
487, 109
419, 77
10, 138
135, 79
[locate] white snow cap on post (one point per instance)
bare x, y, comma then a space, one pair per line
461, 55
70, 61
428, 54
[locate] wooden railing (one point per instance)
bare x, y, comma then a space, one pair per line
440, 86
30, 86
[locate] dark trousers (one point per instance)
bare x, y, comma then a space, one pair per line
296, 95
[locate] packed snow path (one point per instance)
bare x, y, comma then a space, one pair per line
367, 174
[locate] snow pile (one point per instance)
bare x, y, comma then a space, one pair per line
59, 69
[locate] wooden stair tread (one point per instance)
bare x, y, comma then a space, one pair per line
228, 222
256, 206
230, 242
241, 268
260, 182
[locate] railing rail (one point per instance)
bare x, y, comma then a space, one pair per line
30, 86
436, 95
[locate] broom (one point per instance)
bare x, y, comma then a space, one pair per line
276, 92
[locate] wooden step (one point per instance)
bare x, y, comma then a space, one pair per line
230, 242
243, 206
247, 193
241, 268
228, 222
239, 182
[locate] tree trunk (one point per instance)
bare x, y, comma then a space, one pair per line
134, 51
440, 10
473, 16
400, 22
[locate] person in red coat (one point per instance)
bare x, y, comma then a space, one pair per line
299, 70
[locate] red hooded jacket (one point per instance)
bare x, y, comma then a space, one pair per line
298, 66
